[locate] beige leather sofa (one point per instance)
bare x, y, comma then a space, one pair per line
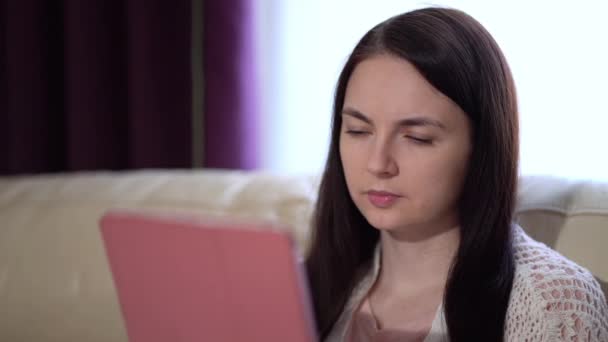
55, 284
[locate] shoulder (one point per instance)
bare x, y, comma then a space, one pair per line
552, 297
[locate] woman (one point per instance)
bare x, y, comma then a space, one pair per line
413, 235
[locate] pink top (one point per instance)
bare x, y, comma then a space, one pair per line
364, 328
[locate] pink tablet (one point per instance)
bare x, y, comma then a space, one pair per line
185, 279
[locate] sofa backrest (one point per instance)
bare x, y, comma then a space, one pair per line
570, 216
55, 284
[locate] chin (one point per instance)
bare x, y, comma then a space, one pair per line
386, 221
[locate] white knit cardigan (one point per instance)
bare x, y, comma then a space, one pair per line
552, 299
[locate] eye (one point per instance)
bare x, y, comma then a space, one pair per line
420, 141
356, 133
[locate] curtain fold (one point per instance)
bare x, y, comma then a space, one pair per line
32, 109
231, 84
107, 84
96, 84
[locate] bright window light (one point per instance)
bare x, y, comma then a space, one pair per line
556, 50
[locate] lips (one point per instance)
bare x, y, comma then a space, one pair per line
382, 199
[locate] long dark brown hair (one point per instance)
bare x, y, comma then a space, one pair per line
460, 58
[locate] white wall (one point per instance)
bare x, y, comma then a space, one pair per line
557, 52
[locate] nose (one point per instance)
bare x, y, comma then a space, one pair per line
381, 161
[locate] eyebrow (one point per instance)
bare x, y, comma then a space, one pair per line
415, 121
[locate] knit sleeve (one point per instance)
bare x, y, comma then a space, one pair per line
574, 309
554, 299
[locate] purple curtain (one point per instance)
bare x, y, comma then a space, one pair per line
231, 89
96, 84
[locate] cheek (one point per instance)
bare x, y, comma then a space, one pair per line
438, 181
350, 155
353, 165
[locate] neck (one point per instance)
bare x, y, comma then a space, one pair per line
409, 265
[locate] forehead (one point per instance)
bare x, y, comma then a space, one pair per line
388, 87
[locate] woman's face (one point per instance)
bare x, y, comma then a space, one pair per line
404, 147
